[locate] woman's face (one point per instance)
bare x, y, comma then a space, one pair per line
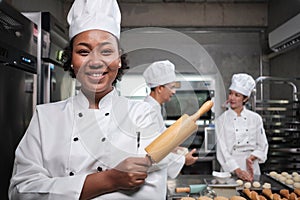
96, 60
236, 99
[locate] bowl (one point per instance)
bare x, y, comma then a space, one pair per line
221, 177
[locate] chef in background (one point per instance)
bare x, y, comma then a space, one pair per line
241, 140
86, 147
160, 77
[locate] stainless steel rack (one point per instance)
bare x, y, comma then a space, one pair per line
282, 124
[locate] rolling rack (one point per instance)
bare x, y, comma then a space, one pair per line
282, 125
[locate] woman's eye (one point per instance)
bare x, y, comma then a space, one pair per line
106, 52
83, 52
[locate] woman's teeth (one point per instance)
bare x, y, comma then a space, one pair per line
96, 75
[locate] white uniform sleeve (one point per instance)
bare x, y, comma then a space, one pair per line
31, 180
224, 157
262, 143
176, 162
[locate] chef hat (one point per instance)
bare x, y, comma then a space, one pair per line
159, 73
94, 14
242, 83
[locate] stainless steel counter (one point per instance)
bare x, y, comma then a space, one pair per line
226, 190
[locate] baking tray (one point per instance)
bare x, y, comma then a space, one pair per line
265, 178
290, 187
213, 182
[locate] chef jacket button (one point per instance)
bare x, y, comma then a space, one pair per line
245, 118
99, 169
106, 114
234, 118
75, 139
246, 129
236, 129
247, 142
80, 114
71, 173
103, 139
234, 149
238, 142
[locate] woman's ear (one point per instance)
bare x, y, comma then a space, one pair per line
246, 99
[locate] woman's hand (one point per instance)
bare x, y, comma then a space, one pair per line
249, 163
189, 158
130, 173
244, 175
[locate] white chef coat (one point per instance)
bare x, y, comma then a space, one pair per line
61, 147
176, 161
238, 137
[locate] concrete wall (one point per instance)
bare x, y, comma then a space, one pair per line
232, 33
287, 64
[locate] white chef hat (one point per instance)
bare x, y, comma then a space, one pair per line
242, 83
159, 73
94, 14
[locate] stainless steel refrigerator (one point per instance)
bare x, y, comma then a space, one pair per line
17, 85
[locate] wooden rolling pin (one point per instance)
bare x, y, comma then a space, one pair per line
176, 134
191, 189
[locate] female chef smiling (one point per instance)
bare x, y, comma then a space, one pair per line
241, 139
87, 146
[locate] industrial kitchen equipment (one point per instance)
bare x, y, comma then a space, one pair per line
54, 83
281, 122
17, 84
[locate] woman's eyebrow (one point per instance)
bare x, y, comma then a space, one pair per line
89, 46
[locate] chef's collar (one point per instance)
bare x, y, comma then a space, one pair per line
84, 103
235, 114
154, 101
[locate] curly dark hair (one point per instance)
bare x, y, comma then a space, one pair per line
67, 61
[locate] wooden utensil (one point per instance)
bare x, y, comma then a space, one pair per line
191, 189
176, 134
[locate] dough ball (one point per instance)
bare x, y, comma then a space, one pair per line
295, 174
247, 185
267, 186
296, 178
297, 185
289, 181
273, 173
282, 179
278, 176
284, 173
288, 176
256, 184
239, 182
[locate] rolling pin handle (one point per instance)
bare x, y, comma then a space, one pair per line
182, 190
203, 109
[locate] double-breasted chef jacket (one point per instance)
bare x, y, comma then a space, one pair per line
176, 161
238, 137
66, 141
